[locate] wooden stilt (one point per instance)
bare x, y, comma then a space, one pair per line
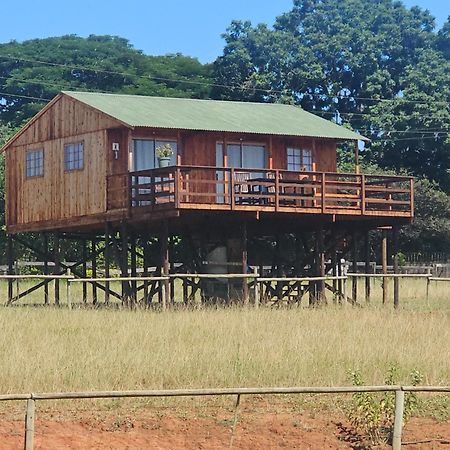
171, 270
94, 270
133, 270
57, 271
384, 258
245, 297
367, 265
146, 258
84, 269
334, 273
165, 265
124, 263
355, 267
321, 264
10, 258
340, 273
396, 265
46, 251
313, 288
107, 257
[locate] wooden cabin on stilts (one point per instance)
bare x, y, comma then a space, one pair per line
167, 186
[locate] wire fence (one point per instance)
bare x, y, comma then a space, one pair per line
32, 398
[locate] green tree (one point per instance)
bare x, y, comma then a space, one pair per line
41, 68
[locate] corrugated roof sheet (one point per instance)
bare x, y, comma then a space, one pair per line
213, 115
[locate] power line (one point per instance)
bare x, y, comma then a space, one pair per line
268, 91
7, 94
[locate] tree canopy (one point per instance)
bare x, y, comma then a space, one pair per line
41, 68
374, 65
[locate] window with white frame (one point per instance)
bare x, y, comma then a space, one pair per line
73, 156
299, 159
144, 153
34, 163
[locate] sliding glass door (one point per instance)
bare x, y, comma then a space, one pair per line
144, 153
240, 156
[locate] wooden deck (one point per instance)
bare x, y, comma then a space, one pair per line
261, 190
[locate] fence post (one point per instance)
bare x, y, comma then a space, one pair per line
345, 290
29, 424
398, 420
256, 287
235, 421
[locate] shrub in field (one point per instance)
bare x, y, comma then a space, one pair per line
372, 414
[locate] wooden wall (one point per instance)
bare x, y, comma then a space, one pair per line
199, 148
58, 195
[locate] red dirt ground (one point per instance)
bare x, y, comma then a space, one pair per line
260, 431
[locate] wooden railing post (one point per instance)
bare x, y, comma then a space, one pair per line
129, 184
411, 196
177, 182
277, 189
232, 188
363, 194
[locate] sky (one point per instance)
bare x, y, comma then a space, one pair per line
191, 27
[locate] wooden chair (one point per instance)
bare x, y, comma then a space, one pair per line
241, 186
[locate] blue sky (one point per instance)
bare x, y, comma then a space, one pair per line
192, 27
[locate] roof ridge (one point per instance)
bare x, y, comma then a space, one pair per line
118, 94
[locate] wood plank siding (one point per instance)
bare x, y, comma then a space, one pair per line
104, 189
58, 194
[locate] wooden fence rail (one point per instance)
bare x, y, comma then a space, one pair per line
258, 281
32, 398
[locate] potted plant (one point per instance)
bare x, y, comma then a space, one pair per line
164, 154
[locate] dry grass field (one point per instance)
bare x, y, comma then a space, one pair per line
57, 349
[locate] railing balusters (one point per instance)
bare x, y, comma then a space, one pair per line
368, 194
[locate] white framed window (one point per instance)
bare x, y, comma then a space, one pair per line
73, 156
299, 159
144, 153
34, 163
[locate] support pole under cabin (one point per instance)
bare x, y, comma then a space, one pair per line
384, 258
355, 267
107, 257
10, 260
165, 264
367, 264
321, 264
124, 263
57, 271
245, 297
133, 269
146, 259
396, 265
84, 268
94, 269
46, 252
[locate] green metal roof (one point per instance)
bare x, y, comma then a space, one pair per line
213, 115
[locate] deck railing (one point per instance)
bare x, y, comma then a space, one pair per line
266, 190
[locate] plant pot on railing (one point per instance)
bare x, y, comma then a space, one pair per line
164, 161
